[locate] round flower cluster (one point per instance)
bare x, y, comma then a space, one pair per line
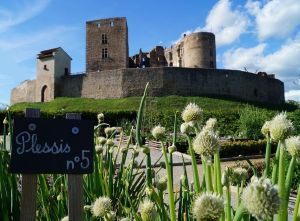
293, 146
100, 118
158, 132
261, 198
280, 127
192, 113
186, 128
161, 183
208, 206
109, 131
265, 130
226, 176
99, 149
66, 218
148, 210
102, 140
238, 175
206, 143
101, 207
211, 124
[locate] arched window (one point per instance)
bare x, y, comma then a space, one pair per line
45, 96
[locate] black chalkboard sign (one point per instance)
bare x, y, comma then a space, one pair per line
52, 146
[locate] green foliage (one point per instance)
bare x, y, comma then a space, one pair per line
251, 120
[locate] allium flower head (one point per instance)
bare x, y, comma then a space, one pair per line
186, 128
111, 216
265, 130
101, 206
211, 124
293, 146
226, 176
66, 218
100, 117
109, 131
148, 210
280, 127
261, 198
192, 113
206, 143
99, 149
102, 140
208, 206
238, 175
158, 132
5, 121
172, 149
161, 183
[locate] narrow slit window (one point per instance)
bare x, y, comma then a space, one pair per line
111, 24
98, 25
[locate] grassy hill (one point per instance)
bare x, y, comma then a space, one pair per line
160, 110
169, 103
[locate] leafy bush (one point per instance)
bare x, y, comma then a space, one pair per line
251, 120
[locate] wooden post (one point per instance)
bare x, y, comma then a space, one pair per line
29, 184
75, 188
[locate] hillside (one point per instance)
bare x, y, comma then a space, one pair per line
169, 103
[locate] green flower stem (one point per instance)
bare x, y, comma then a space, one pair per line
208, 178
194, 166
110, 176
148, 170
219, 176
170, 187
163, 210
296, 216
204, 172
139, 136
174, 144
275, 167
287, 189
289, 177
267, 157
281, 186
238, 197
240, 212
228, 203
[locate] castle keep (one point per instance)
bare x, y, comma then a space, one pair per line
187, 68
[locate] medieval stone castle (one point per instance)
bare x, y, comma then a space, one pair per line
187, 68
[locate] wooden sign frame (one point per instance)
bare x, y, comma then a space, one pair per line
29, 186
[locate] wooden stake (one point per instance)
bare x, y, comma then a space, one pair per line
75, 188
29, 184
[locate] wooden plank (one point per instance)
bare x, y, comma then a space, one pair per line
75, 188
29, 184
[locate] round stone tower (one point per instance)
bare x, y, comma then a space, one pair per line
199, 50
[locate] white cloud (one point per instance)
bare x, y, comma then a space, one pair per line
276, 18
244, 58
292, 95
20, 14
227, 23
284, 62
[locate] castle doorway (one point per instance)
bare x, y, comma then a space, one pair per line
45, 95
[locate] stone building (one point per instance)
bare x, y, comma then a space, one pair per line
187, 68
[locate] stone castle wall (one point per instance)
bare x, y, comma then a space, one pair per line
164, 81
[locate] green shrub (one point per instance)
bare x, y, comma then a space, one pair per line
251, 120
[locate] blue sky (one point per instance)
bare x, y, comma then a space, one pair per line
254, 35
